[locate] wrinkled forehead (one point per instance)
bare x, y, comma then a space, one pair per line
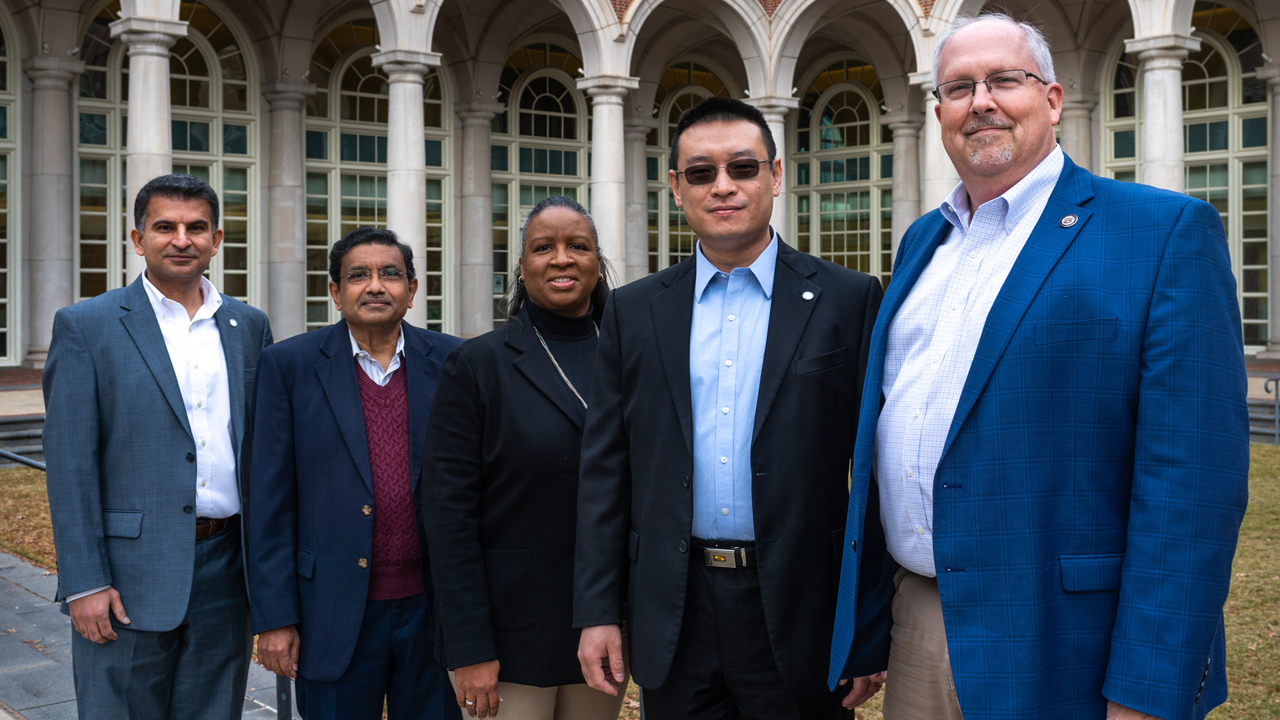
984, 47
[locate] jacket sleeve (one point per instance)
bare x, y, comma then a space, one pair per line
453, 485
71, 446
271, 519
1190, 476
604, 488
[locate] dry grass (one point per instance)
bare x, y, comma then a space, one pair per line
25, 528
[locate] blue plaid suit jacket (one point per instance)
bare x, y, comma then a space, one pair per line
1091, 488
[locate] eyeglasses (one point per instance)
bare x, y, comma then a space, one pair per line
706, 174
1000, 84
386, 275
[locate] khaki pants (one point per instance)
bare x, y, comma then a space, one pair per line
920, 686
566, 702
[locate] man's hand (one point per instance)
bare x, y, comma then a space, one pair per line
278, 651
864, 688
89, 615
1120, 712
599, 646
476, 687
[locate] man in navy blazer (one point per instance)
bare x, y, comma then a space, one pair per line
1055, 415
340, 588
147, 393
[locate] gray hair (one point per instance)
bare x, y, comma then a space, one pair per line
1036, 42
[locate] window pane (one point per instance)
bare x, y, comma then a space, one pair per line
235, 139
317, 145
1123, 141
1253, 132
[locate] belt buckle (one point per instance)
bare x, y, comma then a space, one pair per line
721, 557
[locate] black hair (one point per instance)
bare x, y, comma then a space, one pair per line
718, 109
174, 187
519, 295
367, 236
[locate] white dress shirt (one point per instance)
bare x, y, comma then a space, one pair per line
372, 367
932, 341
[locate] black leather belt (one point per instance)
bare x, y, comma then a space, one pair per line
726, 553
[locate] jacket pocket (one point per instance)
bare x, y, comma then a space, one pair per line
1075, 331
818, 363
633, 546
1091, 573
306, 564
511, 595
121, 523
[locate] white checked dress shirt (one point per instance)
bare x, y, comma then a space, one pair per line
372, 367
932, 341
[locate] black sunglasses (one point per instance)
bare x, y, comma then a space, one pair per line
706, 174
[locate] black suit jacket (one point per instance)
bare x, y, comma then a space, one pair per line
635, 499
311, 480
501, 488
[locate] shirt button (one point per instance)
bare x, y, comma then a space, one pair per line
201, 443
203, 483
920, 530
200, 404
730, 318
915, 413
955, 307
366, 510
362, 563
724, 511
910, 472
973, 254
683, 546
724, 459
935, 359
724, 410
728, 363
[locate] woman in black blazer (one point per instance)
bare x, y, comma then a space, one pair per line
501, 483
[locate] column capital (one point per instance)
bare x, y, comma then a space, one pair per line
405, 65
774, 107
924, 80
52, 73
478, 113
1271, 73
148, 36
287, 95
637, 128
906, 123
608, 89
1079, 105
1163, 51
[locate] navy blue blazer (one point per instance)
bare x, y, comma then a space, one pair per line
310, 480
1092, 483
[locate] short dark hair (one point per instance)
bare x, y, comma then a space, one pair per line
367, 236
718, 109
519, 295
174, 187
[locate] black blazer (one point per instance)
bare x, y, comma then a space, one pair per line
635, 494
500, 487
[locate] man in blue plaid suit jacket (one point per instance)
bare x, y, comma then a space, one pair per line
1055, 418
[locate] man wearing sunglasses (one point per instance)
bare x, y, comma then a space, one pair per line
1055, 414
715, 460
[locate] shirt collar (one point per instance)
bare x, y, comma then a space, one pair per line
357, 352
762, 269
1017, 200
163, 306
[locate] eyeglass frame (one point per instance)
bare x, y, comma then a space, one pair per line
937, 92
718, 168
385, 274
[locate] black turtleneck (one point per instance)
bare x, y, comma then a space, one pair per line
572, 340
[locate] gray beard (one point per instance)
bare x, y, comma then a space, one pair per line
990, 156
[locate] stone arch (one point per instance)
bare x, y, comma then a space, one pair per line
800, 19
744, 22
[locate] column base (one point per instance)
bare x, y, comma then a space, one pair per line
1271, 353
36, 358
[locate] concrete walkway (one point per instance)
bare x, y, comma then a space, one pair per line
35, 652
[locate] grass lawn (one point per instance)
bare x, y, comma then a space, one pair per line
1252, 611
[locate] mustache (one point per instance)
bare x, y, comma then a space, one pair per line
982, 123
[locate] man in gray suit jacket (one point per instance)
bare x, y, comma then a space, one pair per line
146, 442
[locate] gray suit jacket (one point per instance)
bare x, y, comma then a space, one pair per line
120, 452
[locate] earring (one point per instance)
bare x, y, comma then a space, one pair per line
601, 277
520, 279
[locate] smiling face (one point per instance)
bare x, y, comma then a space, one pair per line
990, 138
371, 300
177, 239
726, 213
560, 266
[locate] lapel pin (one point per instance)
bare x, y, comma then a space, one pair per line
1069, 220
806, 295
233, 322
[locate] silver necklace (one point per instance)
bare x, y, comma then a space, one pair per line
558, 368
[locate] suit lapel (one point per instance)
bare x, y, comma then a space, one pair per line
421, 374
533, 363
338, 378
673, 323
229, 331
1048, 241
144, 328
788, 315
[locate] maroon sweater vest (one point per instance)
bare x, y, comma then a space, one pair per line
396, 570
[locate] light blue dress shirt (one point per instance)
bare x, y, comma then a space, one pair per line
726, 352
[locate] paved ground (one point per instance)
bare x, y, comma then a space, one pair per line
21, 402
35, 652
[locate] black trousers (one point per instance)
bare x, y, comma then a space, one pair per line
724, 667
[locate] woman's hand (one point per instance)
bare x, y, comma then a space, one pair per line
476, 687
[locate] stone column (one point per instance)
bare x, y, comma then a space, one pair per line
407, 157
287, 217
906, 172
775, 111
636, 263
608, 163
1271, 73
476, 217
150, 151
1077, 134
939, 176
53, 242
1160, 62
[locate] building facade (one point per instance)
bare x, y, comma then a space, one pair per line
447, 120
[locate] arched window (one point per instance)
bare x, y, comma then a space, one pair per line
1225, 139
546, 155
9, 228
346, 156
214, 136
842, 171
